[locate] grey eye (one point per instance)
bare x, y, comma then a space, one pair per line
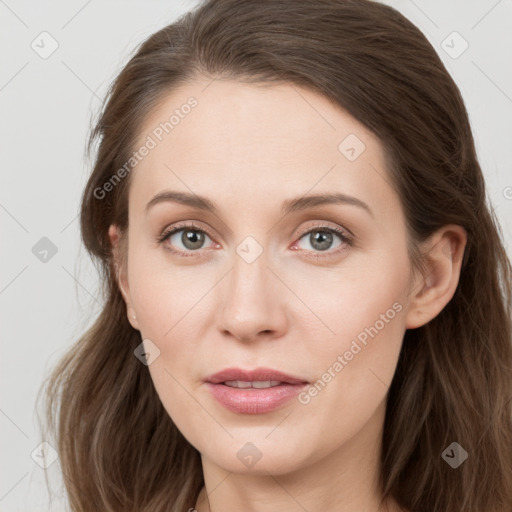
321, 239
191, 239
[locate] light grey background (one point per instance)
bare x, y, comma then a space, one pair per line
46, 108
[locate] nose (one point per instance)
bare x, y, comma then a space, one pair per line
252, 301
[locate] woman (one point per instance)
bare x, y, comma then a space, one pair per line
307, 299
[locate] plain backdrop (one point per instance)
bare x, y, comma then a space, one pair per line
48, 286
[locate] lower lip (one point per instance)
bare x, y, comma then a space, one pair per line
252, 400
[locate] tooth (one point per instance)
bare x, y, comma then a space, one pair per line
261, 384
241, 384
238, 384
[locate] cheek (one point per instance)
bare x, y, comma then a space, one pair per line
365, 307
363, 300
353, 376
163, 294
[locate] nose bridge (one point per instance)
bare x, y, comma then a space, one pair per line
249, 298
249, 277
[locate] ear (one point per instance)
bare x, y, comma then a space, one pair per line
120, 260
430, 294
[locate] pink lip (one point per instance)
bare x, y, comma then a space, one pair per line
252, 400
261, 374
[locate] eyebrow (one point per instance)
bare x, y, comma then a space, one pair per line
289, 206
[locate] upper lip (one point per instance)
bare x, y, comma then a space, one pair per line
258, 374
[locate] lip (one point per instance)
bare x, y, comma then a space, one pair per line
253, 400
261, 374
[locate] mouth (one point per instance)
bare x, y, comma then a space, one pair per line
253, 391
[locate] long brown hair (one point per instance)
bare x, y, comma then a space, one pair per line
118, 448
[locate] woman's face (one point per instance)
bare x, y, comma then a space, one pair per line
268, 270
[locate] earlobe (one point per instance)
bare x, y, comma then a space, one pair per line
120, 270
444, 253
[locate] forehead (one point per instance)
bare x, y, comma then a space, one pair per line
257, 142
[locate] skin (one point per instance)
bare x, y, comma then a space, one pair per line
248, 148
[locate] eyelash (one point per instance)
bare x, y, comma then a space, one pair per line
346, 239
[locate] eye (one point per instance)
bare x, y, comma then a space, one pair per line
189, 236
321, 238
